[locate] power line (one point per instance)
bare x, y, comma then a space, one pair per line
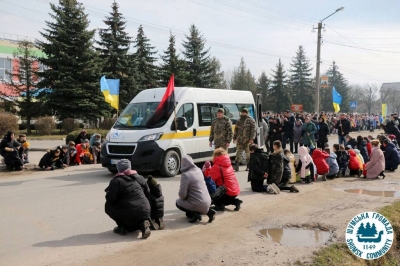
361, 48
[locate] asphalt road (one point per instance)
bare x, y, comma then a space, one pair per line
57, 217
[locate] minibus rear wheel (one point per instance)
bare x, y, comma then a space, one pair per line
171, 164
112, 170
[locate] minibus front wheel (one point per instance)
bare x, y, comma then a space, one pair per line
171, 164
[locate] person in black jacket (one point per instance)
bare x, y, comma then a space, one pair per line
362, 147
288, 127
392, 156
63, 157
81, 137
258, 168
392, 129
157, 203
343, 127
323, 132
351, 141
9, 149
275, 132
51, 160
127, 201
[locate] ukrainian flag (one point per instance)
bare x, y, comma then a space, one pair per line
110, 89
337, 100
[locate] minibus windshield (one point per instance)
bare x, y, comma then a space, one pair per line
136, 115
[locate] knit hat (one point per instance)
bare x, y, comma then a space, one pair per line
151, 181
123, 165
25, 144
220, 110
244, 110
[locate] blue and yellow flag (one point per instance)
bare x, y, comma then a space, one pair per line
337, 100
384, 110
110, 89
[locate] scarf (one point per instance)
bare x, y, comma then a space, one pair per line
127, 173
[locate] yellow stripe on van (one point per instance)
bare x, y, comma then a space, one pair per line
186, 135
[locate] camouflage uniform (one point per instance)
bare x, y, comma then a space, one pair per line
221, 132
245, 130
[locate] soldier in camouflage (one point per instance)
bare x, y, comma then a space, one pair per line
221, 131
244, 135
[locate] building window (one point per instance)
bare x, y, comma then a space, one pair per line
5, 67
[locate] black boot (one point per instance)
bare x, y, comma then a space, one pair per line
120, 230
237, 204
247, 167
236, 167
145, 228
196, 217
211, 215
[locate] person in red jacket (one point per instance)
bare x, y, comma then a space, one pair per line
319, 157
223, 174
369, 146
355, 165
83, 154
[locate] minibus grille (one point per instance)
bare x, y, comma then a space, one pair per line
119, 149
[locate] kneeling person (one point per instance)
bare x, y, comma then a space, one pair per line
258, 168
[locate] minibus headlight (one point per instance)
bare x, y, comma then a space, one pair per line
155, 136
108, 136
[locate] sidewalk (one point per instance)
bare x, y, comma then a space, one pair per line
44, 145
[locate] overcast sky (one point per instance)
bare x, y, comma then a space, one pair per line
261, 31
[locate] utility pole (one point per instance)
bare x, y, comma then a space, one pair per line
318, 81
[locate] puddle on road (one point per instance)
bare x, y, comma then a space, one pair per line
296, 238
387, 194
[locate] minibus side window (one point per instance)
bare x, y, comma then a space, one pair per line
186, 111
232, 110
207, 112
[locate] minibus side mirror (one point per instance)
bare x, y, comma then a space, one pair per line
181, 123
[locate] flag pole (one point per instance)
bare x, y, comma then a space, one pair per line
176, 123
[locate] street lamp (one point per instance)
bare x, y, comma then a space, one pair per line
317, 84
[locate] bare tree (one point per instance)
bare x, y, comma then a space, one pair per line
370, 96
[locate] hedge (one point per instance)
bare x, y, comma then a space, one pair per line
8, 122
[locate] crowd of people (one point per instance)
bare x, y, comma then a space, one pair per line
84, 150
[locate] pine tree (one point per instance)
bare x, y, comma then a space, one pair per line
361, 229
73, 66
278, 89
172, 64
300, 83
144, 57
242, 79
263, 89
337, 80
373, 230
23, 80
198, 59
114, 45
217, 79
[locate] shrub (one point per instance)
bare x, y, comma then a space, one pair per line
69, 125
89, 131
107, 123
45, 125
8, 122
22, 126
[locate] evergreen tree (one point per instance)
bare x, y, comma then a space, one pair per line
368, 230
198, 59
242, 79
373, 230
144, 57
263, 89
217, 79
300, 83
337, 80
172, 64
278, 91
361, 229
114, 45
23, 80
73, 66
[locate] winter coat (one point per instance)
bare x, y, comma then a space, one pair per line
81, 138
323, 132
319, 157
156, 200
230, 181
332, 163
391, 128
259, 165
369, 148
49, 159
193, 193
277, 134
359, 156
392, 156
81, 152
311, 129
352, 143
245, 130
288, 127
344, 129
287, 170
11, 158
93, 140
127, 199
298, 130
275, 167
343, 159
354, 162
376, 163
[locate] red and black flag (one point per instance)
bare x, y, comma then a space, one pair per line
166, 106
